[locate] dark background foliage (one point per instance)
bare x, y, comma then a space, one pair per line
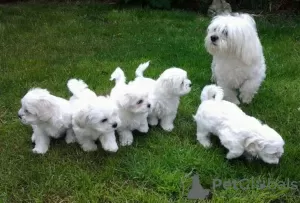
199, 5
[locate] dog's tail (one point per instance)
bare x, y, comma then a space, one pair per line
77, 87
212, 92
140, 70
119, 76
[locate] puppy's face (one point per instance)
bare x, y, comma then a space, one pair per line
231, 35
101, 116
273, 148
134, 99
37, 107
175, 81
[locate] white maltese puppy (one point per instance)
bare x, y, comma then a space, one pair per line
238, 60
133, 107
238, 132
164, 94
93, 118
49, 116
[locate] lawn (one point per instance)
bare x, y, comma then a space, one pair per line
44, 45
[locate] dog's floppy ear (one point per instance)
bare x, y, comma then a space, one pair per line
253, 144
84, 117
124, 100
250, 45
165, 83
44, 109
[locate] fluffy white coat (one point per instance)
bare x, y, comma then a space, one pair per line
164, 94
238, 132
133, 106
238, 60
49, 116
93, 118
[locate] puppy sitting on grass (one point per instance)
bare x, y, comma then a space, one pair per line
133, 107
238, 132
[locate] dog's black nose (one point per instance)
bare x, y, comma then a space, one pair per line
214, 38
190, 85
114, 125
20, 117
149, 105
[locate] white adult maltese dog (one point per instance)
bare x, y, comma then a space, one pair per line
93, 118
164, 94
133, 107
238, 60
49, 116
238, 132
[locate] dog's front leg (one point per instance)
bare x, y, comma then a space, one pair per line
108, 142
42, 141
86, 142
143, 128
167, 122
248, 90
152, 120
126, 137
70, 136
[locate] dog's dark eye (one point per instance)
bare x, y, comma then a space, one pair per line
225, 32
104, 120
215, 29
140, 101
26, 111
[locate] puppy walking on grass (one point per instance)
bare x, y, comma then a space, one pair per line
49, 116
238, 132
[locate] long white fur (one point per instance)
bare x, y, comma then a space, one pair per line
238, 132
238, 60
133, 115
49, 116
93, 118
164, 94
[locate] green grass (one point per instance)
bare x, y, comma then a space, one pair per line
46, 44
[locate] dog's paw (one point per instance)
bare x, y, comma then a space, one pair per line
246, 98
206, 144
89, 147
144, 129
111, 147
70, 139
167, 127
153, 121
39, 150
126, 141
